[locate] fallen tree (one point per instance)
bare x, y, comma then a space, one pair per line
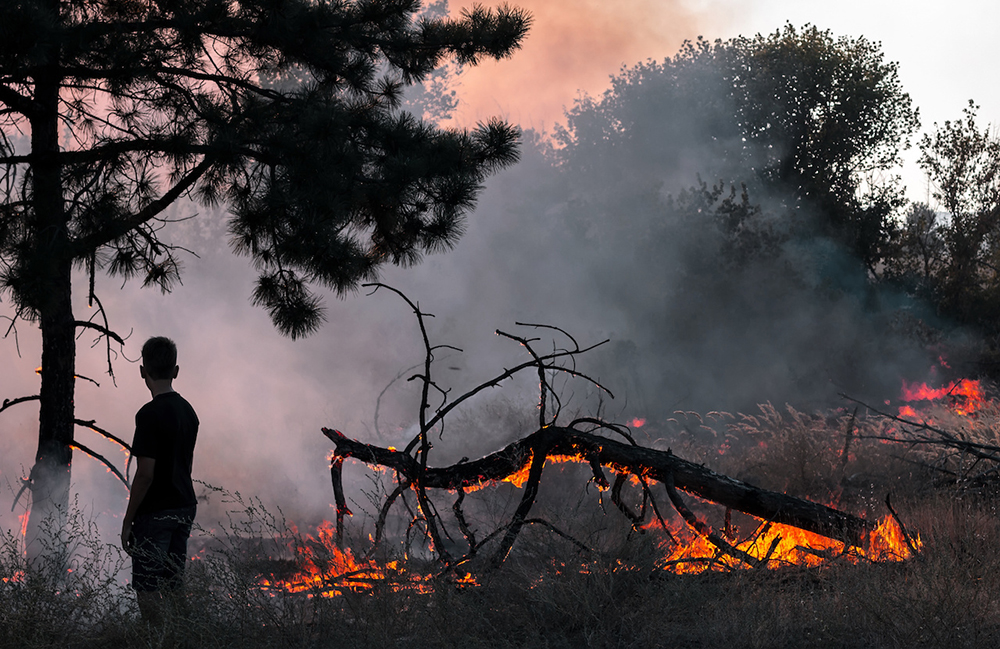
584, 441
599, 452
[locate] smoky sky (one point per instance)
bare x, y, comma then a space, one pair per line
545, 245
572, 47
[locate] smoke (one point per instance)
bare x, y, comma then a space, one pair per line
543, 246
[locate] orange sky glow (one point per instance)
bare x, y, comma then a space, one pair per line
572, 47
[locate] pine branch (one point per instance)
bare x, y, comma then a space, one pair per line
82, 246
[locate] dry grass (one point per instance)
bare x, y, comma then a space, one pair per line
948, 597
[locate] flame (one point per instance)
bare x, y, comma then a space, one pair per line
965, 396
327, 570
638, 422
782, 545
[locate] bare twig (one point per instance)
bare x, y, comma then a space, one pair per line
427, 508
336, 472
521, 514
463, 524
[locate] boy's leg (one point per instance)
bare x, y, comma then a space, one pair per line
173, 589
158, 558
150, 606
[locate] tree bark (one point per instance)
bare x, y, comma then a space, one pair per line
649, 463
49, 271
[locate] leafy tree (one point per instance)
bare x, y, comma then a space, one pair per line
811, 123
825, 120
766, 269
961, 246
286, 110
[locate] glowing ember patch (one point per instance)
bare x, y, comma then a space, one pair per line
638, 422
16, 577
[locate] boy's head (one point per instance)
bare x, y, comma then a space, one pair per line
159, 358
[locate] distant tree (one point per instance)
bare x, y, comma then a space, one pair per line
811, 123
825, 121
287, 111
735, 203
921, 253
962, 162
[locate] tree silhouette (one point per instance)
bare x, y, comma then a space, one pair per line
962, 244
812, 124
285, 110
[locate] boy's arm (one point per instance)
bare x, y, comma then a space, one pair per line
140, 486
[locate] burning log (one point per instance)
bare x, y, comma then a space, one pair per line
788, 522
662, 466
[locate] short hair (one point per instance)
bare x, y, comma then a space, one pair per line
159, 357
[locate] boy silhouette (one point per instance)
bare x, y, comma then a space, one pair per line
162, 501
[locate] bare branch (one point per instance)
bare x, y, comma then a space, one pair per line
103, 460
7, 403
104, 330
703, 528
100, 431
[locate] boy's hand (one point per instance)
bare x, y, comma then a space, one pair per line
128, 539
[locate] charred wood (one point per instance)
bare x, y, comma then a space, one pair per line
646, 463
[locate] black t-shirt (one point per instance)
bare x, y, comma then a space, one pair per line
166, 429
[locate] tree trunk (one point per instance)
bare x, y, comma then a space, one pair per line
50, 476
49, 273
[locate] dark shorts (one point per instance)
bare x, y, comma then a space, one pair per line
160, 549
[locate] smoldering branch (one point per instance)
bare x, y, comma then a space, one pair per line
577, 441
623, 459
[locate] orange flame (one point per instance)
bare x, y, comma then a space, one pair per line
327, 570
15, 578
965, 397
782, 545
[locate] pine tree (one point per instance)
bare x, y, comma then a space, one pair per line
286, 111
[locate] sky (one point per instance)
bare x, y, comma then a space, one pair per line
944, 52
263, 399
